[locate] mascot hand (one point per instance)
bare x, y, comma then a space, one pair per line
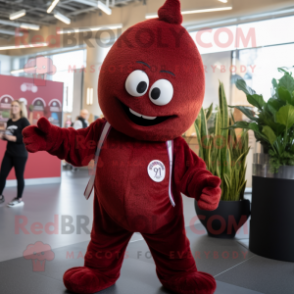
36, 138
211, 194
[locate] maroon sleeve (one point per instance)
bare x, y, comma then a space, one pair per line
75, 146
192, 178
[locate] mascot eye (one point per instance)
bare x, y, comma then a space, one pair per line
161, 93
137, 83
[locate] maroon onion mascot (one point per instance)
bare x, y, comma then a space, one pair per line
151, 88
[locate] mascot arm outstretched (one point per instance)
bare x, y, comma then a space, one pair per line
75, 146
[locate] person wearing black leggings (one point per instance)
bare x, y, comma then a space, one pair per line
16, 154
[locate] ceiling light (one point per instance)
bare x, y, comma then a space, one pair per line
87, 2
52, 6
16, 71
9, 23
153, 15
273, 13
17, 14
93, 29
210, 24
20, 25
197, 26
10, 32
24, 46
61, 17
223, 1
207, 10
104, 8
29, 26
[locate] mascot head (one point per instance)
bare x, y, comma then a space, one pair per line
151, 84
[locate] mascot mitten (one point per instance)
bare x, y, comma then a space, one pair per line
151, 88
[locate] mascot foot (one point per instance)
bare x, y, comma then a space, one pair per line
84, 280
192, 283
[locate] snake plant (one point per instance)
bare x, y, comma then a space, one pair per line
222, 150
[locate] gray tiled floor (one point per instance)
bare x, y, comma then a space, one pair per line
236, 270
136, 274
42, 203
263, 275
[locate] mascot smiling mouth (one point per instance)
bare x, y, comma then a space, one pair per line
144, 120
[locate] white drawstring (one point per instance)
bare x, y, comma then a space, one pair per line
170, 151
104, 135
105, 132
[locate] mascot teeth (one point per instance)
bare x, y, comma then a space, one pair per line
141, 115
149, 117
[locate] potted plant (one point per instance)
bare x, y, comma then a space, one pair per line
225, 156
272, 217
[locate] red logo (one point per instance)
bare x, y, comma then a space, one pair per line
39, 253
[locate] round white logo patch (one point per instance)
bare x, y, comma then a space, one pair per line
156, 170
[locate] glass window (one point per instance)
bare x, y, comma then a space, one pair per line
69, 60
66, 64
269, 32
261, 66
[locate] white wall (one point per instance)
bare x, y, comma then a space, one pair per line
217, 68
95, 58
5, 64
77, 94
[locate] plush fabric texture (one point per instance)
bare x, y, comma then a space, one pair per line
171, 12
126, 198
163, 46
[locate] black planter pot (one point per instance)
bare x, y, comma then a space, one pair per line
225, 221
272, 219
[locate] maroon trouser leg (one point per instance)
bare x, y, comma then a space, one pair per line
175, 265
104, 256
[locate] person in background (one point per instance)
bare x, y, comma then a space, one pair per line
82, 120
80, 123
16, 154
68, 123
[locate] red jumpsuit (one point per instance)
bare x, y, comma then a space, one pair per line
127, 200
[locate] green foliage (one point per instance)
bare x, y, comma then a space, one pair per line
208, 111
287, 81
223, 153
276, 160
273, 122
285, 116
256, 100
270, 134
284, 94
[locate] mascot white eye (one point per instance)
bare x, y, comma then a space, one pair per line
137, 83
162, 92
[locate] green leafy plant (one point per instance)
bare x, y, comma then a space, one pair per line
223, 152
273, 121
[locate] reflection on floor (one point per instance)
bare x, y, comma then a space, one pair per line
236, 270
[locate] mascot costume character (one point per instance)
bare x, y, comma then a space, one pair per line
151, 89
